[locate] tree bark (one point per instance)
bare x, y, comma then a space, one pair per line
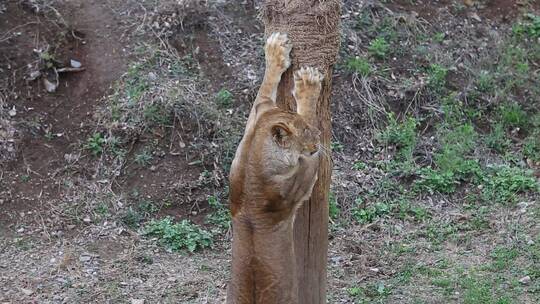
313, 29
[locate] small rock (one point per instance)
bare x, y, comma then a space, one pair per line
475, 16
27, 292
137, 301
75, 64
87, 220
34, 75
49, 86
152, 76
12, 112
525, 280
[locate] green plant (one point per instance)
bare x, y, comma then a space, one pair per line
131, 218
400, 134
102, 209
512, 115
178, 236
439, 37
359, 65
437, 77
505, 183
95, 144
333, 207
358, 165
530, 27
156, 114
485, 82
379, 48
531, 147
221, 216
336, 146
436, 181
143, 158
367, 214
503, 257
224, 98
497, 139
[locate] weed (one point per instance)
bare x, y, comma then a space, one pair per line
95, 144
224, 98
220, 217
367, 214
336, 146
333, 207
360, 66
102, 209
147, 208
358, 165
178, 236
156, 114
505, 183
143, 158
400, 134
485, 82
531, 147
481, 291
131, 218
439, 37
497, 140
437, 77
379, 47
503, 257
512, 115
530, 27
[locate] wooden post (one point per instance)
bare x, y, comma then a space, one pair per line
313, 29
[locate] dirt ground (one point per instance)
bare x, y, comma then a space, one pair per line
145, 129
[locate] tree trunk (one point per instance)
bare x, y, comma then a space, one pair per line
313, 29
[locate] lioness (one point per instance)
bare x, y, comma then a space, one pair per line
273, 172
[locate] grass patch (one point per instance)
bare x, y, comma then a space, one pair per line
360, 66
401, 134
220, 215
379, 48
504, 184
178, 236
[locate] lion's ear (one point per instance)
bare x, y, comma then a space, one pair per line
281, 134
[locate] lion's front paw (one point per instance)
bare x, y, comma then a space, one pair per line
277, 51
307, 83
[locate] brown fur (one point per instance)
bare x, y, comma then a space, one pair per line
273, 172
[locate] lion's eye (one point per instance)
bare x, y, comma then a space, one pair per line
281, 135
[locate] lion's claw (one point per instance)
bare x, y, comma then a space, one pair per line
277, 51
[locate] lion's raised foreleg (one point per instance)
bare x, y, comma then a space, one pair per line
277, 50
307, 88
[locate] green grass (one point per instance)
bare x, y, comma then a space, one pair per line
379, 48
333, 206
143, 158
512, 115
360, 66
436, 75
504, 184
401, 134
497, 139
224, 98
95, 144
178, 236
220, 215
